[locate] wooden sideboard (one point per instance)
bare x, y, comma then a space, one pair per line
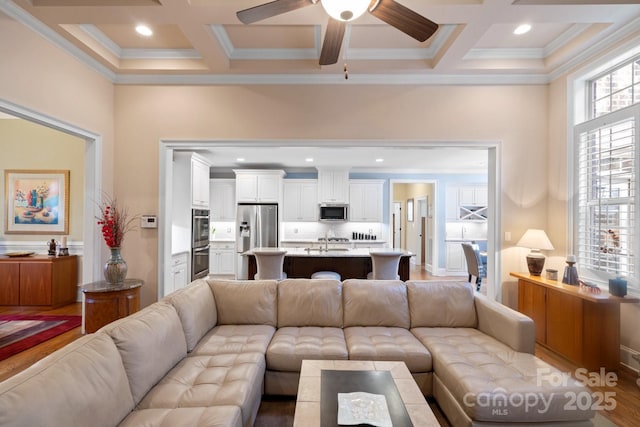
581, 326
38, 280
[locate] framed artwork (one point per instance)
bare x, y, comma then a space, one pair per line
37, 201
410, 210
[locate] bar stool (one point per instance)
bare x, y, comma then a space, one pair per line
326, 275
270, 263
385, 265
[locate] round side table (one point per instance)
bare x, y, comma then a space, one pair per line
102, 303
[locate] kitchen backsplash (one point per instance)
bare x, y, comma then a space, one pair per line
466, 230
223, 230
313, 230
306, 230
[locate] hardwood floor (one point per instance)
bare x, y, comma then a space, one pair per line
279, 411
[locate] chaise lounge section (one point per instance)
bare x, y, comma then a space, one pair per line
204, 355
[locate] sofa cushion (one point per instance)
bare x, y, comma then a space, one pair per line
246, 302
225, 339
375, 303
382, 343
197, 310
306, 302
82, 384
150, 342
203, 381
215, 416
290, 345
437, 303
491, 381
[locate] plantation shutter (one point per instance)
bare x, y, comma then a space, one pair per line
607, 173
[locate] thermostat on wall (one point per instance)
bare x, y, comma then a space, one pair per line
148, 221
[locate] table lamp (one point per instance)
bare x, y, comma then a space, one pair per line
536, 240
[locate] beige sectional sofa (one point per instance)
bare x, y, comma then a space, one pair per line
204, 355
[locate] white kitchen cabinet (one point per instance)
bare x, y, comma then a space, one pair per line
199, 183
300, 200
466, 203
455, 261
190, 182
222, 259
222, 201
365, 200
333, 185
473, 195
258, 186
179, 272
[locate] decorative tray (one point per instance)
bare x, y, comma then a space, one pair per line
363, 408
19, 254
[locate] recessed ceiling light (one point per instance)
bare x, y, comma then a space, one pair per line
522, 29
309, 159
240, 159
379, 160
144, 30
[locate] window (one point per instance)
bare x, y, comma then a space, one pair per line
606, 234
615, 89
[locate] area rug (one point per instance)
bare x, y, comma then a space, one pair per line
19, 332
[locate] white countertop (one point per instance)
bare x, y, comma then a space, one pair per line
332, 242
343, 253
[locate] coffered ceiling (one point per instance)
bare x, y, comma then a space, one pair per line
202, 41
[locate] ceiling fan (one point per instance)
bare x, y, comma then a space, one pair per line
343, 11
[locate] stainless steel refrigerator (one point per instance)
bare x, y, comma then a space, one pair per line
257, 226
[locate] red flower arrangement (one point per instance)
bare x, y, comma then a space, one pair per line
114, 222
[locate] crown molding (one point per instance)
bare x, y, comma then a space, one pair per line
335, 79
596, 48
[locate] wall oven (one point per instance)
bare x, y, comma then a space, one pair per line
199, 228
199, 243
199, 262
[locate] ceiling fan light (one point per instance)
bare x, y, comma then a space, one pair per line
345, 10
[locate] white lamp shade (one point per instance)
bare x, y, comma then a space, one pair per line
535, 239
345, 10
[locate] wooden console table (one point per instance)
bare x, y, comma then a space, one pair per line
102, 303
38, 280
581, 326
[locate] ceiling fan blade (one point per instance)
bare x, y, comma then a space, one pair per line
404, 19
267, 10
332, 42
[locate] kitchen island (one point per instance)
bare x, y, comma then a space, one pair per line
349, 263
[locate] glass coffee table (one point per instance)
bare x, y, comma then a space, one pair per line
310, 406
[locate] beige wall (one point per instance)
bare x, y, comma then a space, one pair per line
40, 77
514, 115
26, 145
51, 82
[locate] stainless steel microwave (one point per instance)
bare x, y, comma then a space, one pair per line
334, 212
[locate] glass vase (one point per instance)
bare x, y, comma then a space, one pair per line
115, 269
